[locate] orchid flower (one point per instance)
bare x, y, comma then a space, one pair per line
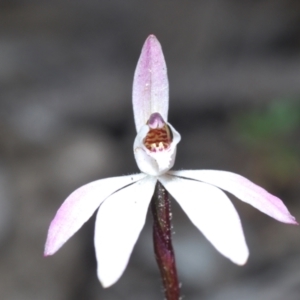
122, 202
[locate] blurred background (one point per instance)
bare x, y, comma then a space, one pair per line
66, 70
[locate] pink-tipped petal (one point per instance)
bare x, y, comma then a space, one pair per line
212, 213
119, 222
243, 189
150, 84
79, 207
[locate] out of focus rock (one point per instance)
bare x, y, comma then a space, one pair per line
6, 205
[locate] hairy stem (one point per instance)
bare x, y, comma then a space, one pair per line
162, 239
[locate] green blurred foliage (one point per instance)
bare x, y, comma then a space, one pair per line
273, 134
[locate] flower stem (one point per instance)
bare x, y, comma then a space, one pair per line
164, 254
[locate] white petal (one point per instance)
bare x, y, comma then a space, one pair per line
212, 213
119, 222
79, 207
150, 84
243, 189
154, 163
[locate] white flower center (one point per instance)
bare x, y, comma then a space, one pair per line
159, 137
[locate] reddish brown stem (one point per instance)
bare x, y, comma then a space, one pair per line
164, 254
